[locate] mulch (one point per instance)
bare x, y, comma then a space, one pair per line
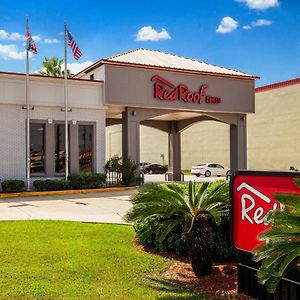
221, 283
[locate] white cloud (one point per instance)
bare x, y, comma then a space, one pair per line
258, 23
37, 38
77, 67
3, 34
227, 25
16, 36
247, 27
260, 4
261, 22
51, 41
11, 52
148, 33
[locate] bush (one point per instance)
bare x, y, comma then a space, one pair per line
174, 241
223, 248
51, 185
129, 170
13, 186
126, 169
86, 180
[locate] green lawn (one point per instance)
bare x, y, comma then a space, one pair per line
68, 260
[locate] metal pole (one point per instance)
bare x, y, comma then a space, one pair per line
66, 107
27, 111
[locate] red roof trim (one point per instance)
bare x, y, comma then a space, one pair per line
49, 77
277, 85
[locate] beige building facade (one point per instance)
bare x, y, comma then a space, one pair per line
272, 136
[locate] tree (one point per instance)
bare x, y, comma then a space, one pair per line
53, 67
283, 249
194, 208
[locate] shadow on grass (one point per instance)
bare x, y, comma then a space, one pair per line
175, 288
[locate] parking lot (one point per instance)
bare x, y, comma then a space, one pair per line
187, 178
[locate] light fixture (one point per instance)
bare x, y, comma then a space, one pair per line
50, 121
74, 122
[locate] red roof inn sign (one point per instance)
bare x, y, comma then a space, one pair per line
253, 197
165, 90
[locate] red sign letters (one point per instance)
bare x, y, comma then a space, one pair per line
252, 200
165, 90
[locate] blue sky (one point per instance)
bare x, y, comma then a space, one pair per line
269, 45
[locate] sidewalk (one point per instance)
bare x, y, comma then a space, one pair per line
105, 207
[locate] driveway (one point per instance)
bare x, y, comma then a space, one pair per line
104, 207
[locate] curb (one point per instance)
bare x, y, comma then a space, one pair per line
65, 192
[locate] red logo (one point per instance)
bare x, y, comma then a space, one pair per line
253, 204
165, 90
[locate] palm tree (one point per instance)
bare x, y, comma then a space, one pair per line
194, 208
53, 67
283, 249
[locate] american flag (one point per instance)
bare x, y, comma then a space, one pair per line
30, 43
76, 52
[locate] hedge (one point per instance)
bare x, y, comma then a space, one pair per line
51, 185
12, 186
86, 180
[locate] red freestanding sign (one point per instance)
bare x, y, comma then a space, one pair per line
253, 197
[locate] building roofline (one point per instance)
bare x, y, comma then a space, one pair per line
178, 70
277, 85
50, 77
146, 66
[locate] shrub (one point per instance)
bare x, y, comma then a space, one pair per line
86, 180
223, 248
9, 186
51, 185
192, 209
129, 170
174, 242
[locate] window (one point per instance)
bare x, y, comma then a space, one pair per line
60, 157
37, 148
85, 148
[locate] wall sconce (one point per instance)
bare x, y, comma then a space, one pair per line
50, 121
133, 113
243, 118
74, 122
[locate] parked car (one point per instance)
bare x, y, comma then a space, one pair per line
209, 169
155, 169
143, 164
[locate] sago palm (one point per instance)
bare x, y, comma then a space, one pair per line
281, 251
195, 208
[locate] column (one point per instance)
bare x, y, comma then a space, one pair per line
238, 144
174, 153
74, 148
50, 149
131, 135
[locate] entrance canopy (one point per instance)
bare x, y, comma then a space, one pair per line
170, 93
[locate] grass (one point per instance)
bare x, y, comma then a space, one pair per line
69, 260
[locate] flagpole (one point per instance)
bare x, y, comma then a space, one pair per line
66, 106
27, 111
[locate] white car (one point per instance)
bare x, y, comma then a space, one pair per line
210, 169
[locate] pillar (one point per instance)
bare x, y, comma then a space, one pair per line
74, 148
174, 153
131, 135
238, 144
